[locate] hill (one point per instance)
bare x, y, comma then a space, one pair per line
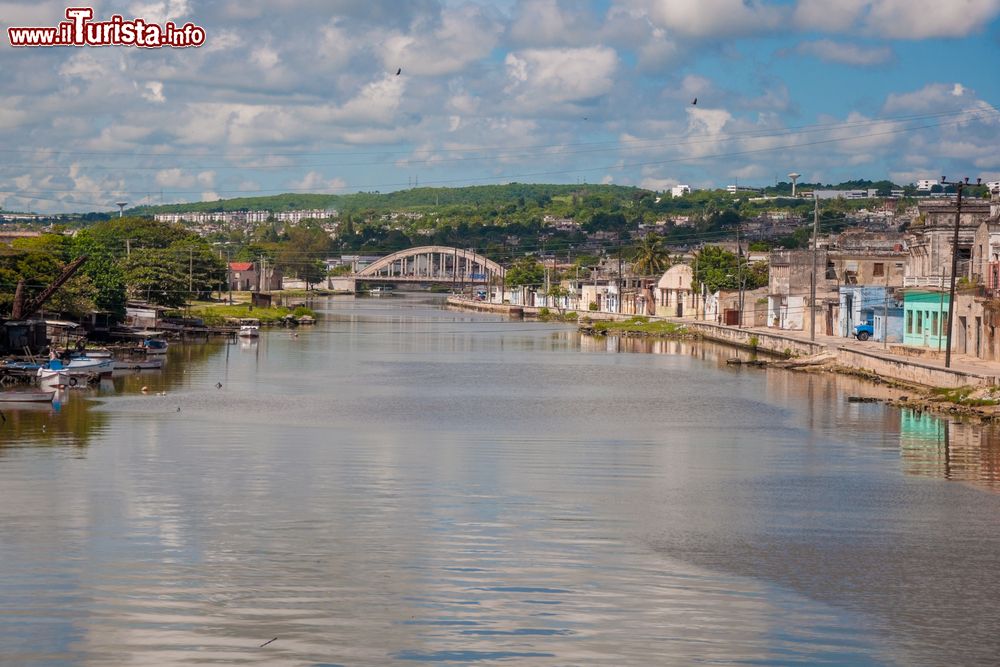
479, 195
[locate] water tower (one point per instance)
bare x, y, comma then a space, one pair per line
794, 178
121, 207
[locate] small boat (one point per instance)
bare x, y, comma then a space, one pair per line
154, 346
380, 291
27, 396
249, 328
97, 353
307, 319
135, 365
76, 366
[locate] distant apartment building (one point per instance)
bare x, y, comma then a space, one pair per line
927, 183
870, 193
680, 190
245, 217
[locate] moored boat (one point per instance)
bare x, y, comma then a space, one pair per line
154, 346
249, 328
76, 366
27, 396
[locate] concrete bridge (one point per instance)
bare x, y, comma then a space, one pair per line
433, 264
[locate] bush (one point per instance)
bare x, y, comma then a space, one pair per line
592, 305
302, 310
753, 342
543, 312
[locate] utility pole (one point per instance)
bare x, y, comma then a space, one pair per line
885, 311
619, 272
812, 286
959, 185
739, 276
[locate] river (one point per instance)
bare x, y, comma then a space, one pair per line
403, 484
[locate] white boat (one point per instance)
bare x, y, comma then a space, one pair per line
380, 291
154, 346
76, 366
249, 328
135, 365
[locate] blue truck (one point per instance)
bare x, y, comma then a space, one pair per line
865, 330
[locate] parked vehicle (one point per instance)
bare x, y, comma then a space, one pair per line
864, 331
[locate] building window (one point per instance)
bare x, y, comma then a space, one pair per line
920, 322
909, 321
934, 323
878, 270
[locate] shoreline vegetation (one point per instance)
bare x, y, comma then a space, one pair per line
635, 326
223, 314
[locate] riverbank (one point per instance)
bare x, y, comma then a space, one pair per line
972, 382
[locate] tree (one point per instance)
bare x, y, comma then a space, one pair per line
157, 276
38, 262
716, 268
525, 272
651, 257
302, 254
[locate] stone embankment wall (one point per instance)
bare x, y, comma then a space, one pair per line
891, 367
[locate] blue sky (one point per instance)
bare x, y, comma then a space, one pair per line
302, 96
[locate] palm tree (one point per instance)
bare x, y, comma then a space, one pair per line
651, 258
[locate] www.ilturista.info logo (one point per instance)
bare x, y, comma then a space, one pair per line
79, 30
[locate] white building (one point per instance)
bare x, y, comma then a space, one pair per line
680, 190
926, 183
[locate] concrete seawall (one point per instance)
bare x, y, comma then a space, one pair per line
896, 367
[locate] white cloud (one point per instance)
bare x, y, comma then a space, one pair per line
464, 35
714, 18
551, 23
154, 92
897, 19
542, 77
315, 181
845, 53
159, 12
174, 178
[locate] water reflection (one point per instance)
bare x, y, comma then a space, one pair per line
958, 450
406, 485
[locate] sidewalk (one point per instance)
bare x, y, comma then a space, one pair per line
965, 364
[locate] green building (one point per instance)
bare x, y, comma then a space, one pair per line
925, 318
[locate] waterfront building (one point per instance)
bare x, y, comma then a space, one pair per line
925, 318
675, 295
870, 304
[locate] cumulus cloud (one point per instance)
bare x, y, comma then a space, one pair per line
897, 19
542, 77
844, 53
464, 35
315, 181
551, 23
714, 18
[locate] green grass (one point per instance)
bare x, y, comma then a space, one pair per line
961, 396
217, 315
640, 325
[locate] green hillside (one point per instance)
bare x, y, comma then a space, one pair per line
480, 195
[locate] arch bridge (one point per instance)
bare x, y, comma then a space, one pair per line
433, 264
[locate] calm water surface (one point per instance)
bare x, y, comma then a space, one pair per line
403, 484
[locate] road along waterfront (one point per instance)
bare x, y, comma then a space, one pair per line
403, 484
